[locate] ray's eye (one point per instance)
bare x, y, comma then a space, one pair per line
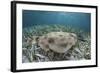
50, 40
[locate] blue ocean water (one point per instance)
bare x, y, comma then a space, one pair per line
74, 19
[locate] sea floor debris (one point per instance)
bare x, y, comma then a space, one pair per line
34, 53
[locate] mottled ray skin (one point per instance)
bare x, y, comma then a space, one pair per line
59, 42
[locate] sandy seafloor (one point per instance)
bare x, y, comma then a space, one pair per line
34, 53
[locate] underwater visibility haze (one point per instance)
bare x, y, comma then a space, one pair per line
75, 19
